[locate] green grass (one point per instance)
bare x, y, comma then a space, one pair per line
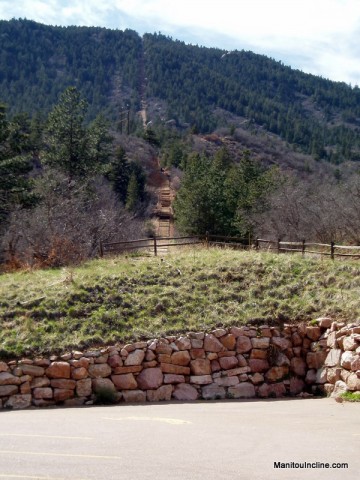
351, 396
121, 299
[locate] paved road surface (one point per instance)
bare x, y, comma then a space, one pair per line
203, 440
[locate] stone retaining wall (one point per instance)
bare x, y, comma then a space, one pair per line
239, 362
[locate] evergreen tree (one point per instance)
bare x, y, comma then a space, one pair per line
67, 138
76, 150
132, 194
15, 164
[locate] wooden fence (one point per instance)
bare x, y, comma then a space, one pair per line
156, 245
328, 249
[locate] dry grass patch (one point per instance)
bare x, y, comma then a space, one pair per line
120, 299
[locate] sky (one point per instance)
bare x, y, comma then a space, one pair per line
316, 36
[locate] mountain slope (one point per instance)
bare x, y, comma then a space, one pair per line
118, 70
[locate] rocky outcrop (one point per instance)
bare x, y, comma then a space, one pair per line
238, 362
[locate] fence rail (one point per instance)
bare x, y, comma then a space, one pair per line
152, 245
326, 249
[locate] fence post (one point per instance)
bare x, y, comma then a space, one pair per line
256, 243
207, 240
101, 248
332, 250
303, 248
155, 246
278, 245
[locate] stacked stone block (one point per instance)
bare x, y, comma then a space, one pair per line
238, 362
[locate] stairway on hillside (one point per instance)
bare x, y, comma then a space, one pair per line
164, 219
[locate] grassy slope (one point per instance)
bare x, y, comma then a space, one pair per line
119, 299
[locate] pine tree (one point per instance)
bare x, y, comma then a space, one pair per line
67, 138
132, 194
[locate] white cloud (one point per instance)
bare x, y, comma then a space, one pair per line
319, 36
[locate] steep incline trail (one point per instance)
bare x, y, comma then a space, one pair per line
163, 212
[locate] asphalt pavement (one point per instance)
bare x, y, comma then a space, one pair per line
200, 440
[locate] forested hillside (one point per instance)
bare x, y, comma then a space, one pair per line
112, 69
251, 146
38, 62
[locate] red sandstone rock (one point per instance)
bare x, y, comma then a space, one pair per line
58, 370
33, 370
241, 360
63, 384
39, 382
99, 384
353, 382
197, 343
298, 366
183, 343
197, 353
84, 387
154, 363
25, 388
101, 370
134, 396
115, 361
355, 363
61, 394
42, 393
150, 378
258, 365
201, 379
229, 341
333, 375
7, 390
227, 381
237, 331
282, 343
164, 358
163, 393
316, 359
150, 356
213, 392
350, 343
215, 366
212, 344
261, 343
82, 362
243, 344
257, 378
276, 373
227, 363
243, 390
296, 339
200, 366
164, 349
331, 360
346, 359
310, 377
133, 369
176, 369
324, 322
184, 391
79, 373
135, 358
3, 367
17, 402
7, 378
171, 378
314, 333
181, 358
219, 332
237, 371
262, 354
124, 382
